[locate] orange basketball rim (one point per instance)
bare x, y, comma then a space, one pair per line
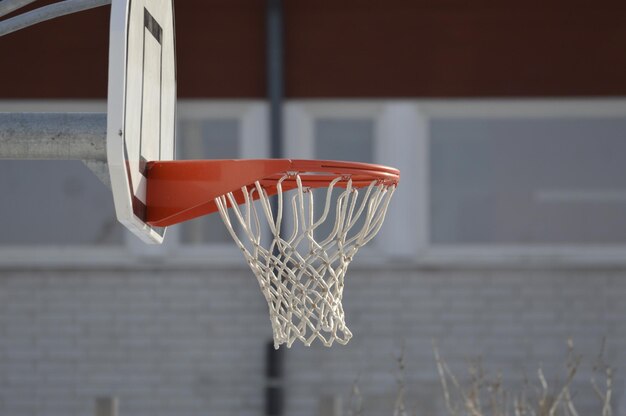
181, 190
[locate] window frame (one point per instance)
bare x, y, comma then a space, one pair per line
516, 255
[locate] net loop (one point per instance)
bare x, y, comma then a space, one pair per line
301, 274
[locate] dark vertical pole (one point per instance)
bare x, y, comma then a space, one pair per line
274, 23
274, 389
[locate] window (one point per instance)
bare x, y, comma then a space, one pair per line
343, 130
528, 181
55, 202
524, 181
207, 139
350, 139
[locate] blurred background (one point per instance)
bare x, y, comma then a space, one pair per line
506, 237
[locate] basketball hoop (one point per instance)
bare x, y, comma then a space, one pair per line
300, 269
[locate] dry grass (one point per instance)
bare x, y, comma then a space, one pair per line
487, 396
481, 394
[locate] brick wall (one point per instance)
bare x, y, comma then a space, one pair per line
192, 342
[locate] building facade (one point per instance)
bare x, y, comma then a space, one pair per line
506, 238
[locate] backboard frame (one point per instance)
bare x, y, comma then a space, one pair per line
141, 104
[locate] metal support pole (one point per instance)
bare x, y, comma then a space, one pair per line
275, 74
9, 6
65, 136
274, 371
60, 136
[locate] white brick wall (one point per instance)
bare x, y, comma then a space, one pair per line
192, 342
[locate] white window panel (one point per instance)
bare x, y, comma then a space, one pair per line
207, 139
55, 203
350, 139
527, 182
362, 131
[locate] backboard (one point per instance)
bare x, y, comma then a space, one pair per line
141, 104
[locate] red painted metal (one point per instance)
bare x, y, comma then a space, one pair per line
181, 190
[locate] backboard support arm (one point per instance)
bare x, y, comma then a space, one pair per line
49, 12
56, 136
9, 6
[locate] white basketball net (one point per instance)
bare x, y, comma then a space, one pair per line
302, 278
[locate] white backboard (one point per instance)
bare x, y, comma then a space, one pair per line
141, 104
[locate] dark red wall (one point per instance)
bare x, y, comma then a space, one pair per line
348, 48
455, 48
66, 57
